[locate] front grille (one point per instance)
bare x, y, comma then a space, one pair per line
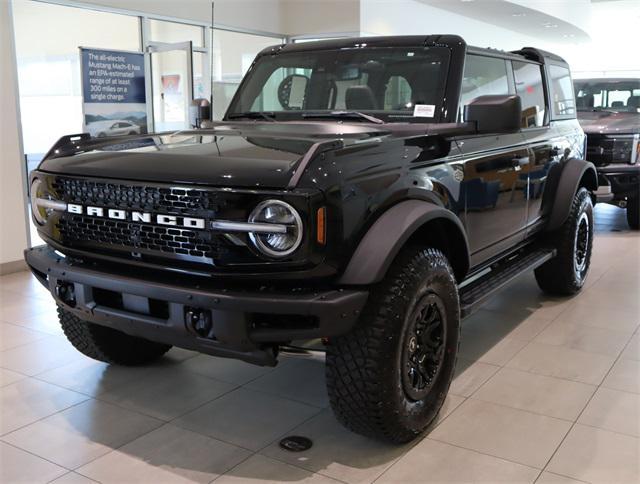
126, 238
605, 149
137, 237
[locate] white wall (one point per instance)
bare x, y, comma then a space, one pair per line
13, 231
308, 17
262, 15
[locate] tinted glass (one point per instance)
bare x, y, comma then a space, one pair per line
483, 76
392, 83
561, 92
529, 87
609, 94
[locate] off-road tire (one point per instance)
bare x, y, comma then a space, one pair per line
107, 344
633, 212
562, 276
364, 368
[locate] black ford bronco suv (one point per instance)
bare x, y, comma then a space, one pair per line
368, 193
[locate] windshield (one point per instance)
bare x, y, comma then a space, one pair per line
392, 84
613, 95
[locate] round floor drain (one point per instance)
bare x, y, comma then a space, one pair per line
296, 443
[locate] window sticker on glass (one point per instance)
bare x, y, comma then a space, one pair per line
298, 88
424, 110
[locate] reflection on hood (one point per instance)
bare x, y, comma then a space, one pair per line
609, 122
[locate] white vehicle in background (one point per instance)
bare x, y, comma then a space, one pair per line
117, 127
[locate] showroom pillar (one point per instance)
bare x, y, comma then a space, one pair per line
13, 228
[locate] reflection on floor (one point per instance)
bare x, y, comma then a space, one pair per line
547, 389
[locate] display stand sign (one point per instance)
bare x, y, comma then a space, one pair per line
113, 92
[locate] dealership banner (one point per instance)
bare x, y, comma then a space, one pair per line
113, 92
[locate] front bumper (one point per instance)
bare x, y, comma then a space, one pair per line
244, 324
623, 180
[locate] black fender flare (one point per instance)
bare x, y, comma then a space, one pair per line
574, 171
388, 234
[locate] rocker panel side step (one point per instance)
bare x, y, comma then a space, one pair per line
501, 274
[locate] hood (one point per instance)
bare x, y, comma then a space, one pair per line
240, 155
608, 122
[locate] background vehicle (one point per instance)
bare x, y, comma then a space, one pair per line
110, 127
352, 193
609, 112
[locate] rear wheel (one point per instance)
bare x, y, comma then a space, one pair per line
389, 376
633, 212
107, 344
566, 273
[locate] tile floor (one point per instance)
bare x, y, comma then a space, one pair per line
547, 390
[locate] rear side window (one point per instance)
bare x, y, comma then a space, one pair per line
563, 104
482, 76
529, 87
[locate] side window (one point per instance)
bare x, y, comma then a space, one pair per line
482, 76
563, 103
397, 94
529, 87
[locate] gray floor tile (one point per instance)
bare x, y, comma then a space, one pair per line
545, 395
225, 369
73, 478
12, 335
500, 431
40, 355
28, 400
263, 470
471, 375
625, 376
7, 377
20, 466
551, 478
93, 377
437, 462
561, 362
632, 351
598, 456
166, 393
337, 452
81, 433
295, 379
613, 410
584, 338
166, 455
246, 418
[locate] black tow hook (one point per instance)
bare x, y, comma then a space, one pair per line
199, 320
66, 292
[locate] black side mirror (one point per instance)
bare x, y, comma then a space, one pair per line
495, 113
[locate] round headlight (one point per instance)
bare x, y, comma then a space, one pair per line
38, 191
281, 242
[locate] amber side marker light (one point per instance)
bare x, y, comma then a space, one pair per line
321, 226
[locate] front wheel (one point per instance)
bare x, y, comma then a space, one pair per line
633, 212
389, 376
566, 273
109, 345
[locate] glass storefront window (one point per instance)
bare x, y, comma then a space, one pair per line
233, 53
162, 31
49, 64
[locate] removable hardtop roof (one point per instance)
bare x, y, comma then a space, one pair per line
442, 40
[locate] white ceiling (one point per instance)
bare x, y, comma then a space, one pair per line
516, 17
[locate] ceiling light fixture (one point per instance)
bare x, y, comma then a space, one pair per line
519, 14
549, 25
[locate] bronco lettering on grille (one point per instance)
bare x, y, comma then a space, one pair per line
136, 216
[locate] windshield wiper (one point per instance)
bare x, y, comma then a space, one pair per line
344, 115
267, 115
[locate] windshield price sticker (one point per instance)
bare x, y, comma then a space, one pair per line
424, 110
